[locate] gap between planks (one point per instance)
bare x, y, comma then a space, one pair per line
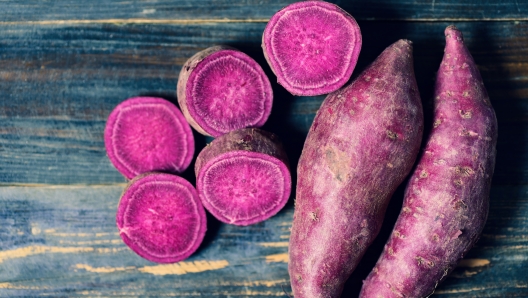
225, 20
59, 186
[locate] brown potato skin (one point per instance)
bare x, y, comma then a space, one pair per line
362, 144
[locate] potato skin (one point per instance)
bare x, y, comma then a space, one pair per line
446, 201
245, 139
188, 104
181, 89
256, 144
362, 144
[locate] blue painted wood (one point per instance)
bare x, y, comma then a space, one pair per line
62, 241
24, 11
65, 64
59, 83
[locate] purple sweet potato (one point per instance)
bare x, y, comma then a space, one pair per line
446, 201
312, 47
362, 144
243, 177
146, 134
161, 218
221, 89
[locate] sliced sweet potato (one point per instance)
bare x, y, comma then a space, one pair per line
243, 177
161, 218
312, 47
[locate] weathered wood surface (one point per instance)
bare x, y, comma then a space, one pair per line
65, 64
255, 10
62, 241
60, 82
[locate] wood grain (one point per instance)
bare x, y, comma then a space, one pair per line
165, 11
59, 83
62, 241
65, 64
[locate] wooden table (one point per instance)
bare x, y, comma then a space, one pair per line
65, 64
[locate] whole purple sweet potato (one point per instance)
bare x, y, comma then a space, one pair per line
312, 47
446, 201
243, 177
221, 89
362, 144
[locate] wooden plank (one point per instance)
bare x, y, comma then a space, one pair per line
62, 241
50, 12
60, 82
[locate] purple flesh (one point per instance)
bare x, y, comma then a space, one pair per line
312, 47
446, 201
221, 89
161, 218
146, 134
362, 144
243, 177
